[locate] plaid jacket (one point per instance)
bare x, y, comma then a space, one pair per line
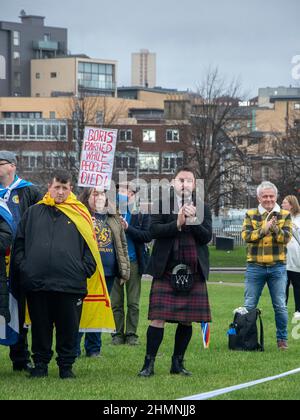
271, 248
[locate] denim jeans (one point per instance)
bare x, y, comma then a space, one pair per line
276, 278
92, 340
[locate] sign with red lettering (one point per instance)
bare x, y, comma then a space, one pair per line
97, 157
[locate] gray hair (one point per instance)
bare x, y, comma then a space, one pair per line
267, 186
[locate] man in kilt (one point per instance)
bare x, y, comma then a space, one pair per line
181, 237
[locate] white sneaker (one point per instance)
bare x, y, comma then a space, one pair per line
297, 316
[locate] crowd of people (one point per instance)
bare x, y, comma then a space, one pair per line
52, 257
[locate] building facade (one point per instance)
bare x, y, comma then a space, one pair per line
73, 76
21, 42
143, 69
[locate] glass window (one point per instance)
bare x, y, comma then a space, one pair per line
53, 75
40, 130
172, 136
63, 131
81, 67
9, 128
17, 79
32, 131
95, 68
24, 130
149, 136
109, 69
52, 115
17, 60
37, 75
87, 67
16, 37
17, 130
40, 163
32, 161
125, 135
25, 162
149, 162
1, 130
297, 106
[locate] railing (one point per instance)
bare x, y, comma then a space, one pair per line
229, 233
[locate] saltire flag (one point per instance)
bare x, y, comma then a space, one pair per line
205, 328
9, 333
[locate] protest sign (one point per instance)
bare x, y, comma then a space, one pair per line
97, 157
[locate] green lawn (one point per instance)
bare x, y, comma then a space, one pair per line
114, 375
235, 258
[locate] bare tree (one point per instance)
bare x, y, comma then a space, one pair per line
216, 126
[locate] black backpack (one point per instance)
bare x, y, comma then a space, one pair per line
243, 332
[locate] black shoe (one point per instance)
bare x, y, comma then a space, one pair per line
39, 371
66, 373
178, 368
22, 366
148, 368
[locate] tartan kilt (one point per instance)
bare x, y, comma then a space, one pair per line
166, 305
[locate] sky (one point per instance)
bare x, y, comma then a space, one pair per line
252, 41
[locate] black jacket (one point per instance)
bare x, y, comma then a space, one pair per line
28, 196
5, 242
139, 232
50, 254
164, 230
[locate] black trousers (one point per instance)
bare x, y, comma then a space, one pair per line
19, 353
294, 279
62, 311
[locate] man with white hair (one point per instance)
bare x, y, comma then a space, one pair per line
267, 231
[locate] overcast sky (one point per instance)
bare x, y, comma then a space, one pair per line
253, 40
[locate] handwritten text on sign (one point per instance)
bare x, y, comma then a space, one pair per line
97, 157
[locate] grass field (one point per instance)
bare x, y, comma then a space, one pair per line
114, 375
235, 258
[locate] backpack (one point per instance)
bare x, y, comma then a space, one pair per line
243, 332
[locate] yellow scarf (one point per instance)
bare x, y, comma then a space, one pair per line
96, 312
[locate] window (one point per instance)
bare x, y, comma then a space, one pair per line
37, 75
265, 172
125, 161
149, 162
47, 37
17, 79
125, 135
95, 76
171, 161
172, 136
53, 75
16, 38
149, 136
297, 107
52, 115
17, 60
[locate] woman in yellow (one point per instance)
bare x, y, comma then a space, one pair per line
112, 246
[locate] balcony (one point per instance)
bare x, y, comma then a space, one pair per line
45, 45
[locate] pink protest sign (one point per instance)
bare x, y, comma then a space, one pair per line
97, 157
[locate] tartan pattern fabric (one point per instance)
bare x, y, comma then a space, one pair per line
266, 249
166, 305
185, 251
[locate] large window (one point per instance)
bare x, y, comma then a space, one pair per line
149, 162
16, 38
149, 136
171, 161
172, 136
17, 58
95, 76
30, 129
125, 161
125, 135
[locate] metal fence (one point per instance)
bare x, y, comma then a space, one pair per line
228, 233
